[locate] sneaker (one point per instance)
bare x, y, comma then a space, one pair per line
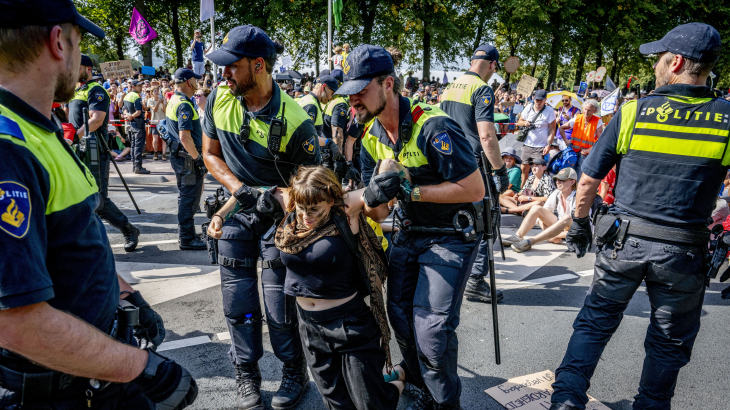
511, 239
164, 158
156, 157
193, 245
141, 171
131, 237
521, 246
478, 288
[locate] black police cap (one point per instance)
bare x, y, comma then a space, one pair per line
491, 53
245, 41
86, 61
362, 65
696, 41
184, 74
20, 13
328, 80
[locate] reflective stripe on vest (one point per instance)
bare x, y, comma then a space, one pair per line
310, 99
332, 104
83, 94
584, 135
175, 101
131, 97
461, 90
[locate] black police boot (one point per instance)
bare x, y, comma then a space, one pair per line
455, 406
556, 406
294, 383
194, 244
477, 288
131, 236
248, 384
424, 401
141, 170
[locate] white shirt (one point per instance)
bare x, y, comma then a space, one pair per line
554, 201
538, 137
337, 61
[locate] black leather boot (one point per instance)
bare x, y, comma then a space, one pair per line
478, 288
248, 384
294, 382
131, 237
424, 401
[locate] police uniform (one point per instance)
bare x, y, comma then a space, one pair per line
94, 97
424, 316
671, 155
132, 104
311, 105
182, 115
336, 115
248, 237
469, 100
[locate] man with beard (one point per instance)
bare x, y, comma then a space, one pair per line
58, 285
91, 95
134, 113
256, 136
431, 257
671, 155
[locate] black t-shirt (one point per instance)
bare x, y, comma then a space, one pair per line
98, 100
338, 118
467, 116
186, 121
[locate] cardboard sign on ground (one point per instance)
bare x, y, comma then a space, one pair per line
526, 85
117, 69
532, 392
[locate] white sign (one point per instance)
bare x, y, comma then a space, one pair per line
532, 392
608, 104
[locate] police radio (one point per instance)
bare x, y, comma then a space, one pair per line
89, 150
277, 129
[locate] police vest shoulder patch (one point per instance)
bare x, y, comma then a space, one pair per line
342, 112
185, 115
10, 127
308, 145
442, 143
487, 99
15, 209
99, 97
313, 116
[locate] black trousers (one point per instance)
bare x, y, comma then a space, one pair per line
342, 347
190, 188
139, 139
108, 210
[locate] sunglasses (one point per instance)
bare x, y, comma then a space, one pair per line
566, 100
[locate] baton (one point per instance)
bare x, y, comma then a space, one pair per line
490, 251
107, 151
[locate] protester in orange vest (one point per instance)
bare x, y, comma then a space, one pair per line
586, 130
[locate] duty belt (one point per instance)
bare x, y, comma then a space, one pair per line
465, 224
665, 233
249, 263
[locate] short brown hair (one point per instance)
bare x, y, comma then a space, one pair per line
22, 46
314, 184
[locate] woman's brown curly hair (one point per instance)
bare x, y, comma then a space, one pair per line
314, 184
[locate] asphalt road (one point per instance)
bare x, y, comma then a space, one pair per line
545, 288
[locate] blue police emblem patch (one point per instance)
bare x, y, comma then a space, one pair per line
442, 143
308, 145
487, 99
342, 113
312, 116
185, 115
99, 97
14, 209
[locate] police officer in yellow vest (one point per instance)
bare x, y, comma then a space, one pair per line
134, 113
470, 102
59, 289
671, 155
256, 136
336, 117
186, 145
91, 95
432, 253
323, 92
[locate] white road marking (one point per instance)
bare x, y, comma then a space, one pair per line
162, 282
179, 344
551, 279
121, 245
585, 273
519, 266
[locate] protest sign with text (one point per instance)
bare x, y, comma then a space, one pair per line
117, 69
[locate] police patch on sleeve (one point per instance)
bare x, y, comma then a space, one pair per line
309, 145
487, 99
185, 115
99, 97
342, 112
14, 209
442, 143
312, 116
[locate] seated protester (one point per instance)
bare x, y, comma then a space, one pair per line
606, 189
554, 227
69, 132
346, 343
720, 213
514, 173
534, 192
586, 130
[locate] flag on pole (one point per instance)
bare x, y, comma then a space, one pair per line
337, 12
446, 79
140, 29
610, 86
609, 102
207, 10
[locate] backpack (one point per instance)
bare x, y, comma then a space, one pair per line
563, 159
162, 129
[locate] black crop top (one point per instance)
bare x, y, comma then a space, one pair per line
326, 269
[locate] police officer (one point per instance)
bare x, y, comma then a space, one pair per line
256, 136
323, 92
186, 135
58, 286
470, 102
428, 271
335, 121
91, 95
667, 179
135, 115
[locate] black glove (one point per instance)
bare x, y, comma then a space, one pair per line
334, 150
167, 383
501, 179
382, 188
579, 237
268, 205
352, 173
247, 197
151, 330
200, 164
340, 168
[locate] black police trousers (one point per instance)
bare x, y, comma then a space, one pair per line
138, 139
675, 278
427, 275
481, 267
190, 187
342, 348
114, 397
108, 210
242, 243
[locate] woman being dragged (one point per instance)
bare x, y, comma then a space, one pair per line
345, 341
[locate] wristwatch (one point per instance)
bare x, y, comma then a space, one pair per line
416, 194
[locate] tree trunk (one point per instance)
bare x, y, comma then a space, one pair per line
534, 67
426, 50
119, 43
367, 13
556, 21
316, 56
614, 55
580, 62
176, 36
478, 38
599, 54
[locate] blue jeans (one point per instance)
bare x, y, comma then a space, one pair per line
674, 276
427, 276
190, 188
